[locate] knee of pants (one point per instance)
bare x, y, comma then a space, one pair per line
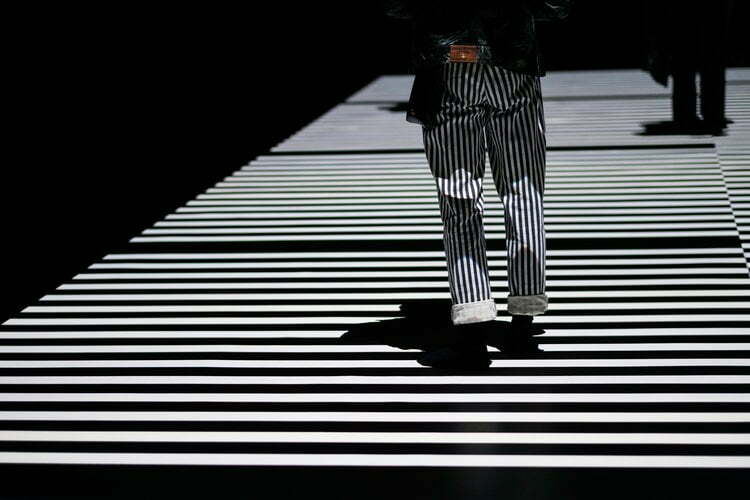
459, 184
527, 186
459, 210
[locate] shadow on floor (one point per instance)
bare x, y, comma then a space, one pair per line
671, 127
426, 325
398, 107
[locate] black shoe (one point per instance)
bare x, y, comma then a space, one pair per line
516, 339
519, 344
714, 128
675, 127
463, 355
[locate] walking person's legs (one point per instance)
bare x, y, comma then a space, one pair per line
517, 149
455, 151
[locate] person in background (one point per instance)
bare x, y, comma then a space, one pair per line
477, 91
685, 39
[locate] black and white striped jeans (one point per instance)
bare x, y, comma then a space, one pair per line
489, 108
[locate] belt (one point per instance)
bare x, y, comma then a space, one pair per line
463, 53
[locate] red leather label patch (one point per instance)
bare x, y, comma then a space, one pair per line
463, 53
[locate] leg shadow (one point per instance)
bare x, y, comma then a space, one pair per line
397, 107
426, 326
691, 127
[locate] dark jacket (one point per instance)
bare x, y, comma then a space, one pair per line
504, 30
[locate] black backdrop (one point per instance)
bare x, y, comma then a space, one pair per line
116, 115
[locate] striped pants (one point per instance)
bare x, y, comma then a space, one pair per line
488, 108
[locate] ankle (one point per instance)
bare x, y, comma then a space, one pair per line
521, 320
472, 333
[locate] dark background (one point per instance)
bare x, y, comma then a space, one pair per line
117, 115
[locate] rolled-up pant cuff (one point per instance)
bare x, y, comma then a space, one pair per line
473, 312
529, 305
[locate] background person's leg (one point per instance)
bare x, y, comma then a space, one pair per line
517, 147
683, 95
685, 47
455, 151
714, 24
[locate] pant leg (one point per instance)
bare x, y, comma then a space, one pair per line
683, 95
713, 94
714, 24
684, 29
455, 151
516, 145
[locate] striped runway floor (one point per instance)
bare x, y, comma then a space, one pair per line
274, 320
